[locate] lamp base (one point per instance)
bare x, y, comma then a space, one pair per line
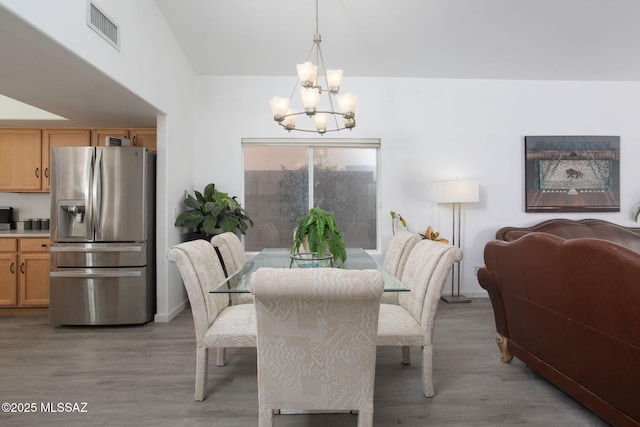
455, 298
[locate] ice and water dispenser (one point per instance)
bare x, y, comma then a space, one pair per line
72, 219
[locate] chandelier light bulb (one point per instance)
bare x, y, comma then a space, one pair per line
279, 107
321, 120
289, 122
308, 74
348, 104
310, 99
334, 80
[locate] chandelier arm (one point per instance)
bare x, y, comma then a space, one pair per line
295, 86
313, 130
313, 46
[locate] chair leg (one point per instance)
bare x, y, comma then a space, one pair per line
365, 417
221, 356
406, 355
427, 370
265, 417
202, 371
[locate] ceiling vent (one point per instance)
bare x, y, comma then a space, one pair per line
99, 22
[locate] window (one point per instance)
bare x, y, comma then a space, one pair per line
277, 188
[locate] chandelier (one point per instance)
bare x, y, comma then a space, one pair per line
311, 91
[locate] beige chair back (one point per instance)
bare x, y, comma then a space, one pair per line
425, 273
231, 250
398, 252
316, 338
201, 272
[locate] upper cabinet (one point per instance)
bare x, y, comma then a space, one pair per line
143, 138
60, 138
98, 136
25, 154
20, 159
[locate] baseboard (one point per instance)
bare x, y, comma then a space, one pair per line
166, 317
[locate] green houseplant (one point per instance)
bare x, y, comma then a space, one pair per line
321, 232
213, 210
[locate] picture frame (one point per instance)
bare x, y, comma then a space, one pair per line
572, 173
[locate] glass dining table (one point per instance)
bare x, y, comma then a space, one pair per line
357, 259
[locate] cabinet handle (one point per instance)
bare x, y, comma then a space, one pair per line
22, 268
134, 140
46, 173
12, 268
37, 172
44, 245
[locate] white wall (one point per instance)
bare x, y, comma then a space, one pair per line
433, 129
152, 66
429, 128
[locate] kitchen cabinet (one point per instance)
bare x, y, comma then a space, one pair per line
33, 280
20, 159
25, 154
60, 138
144, 138
98, 135
8, 272
25, 272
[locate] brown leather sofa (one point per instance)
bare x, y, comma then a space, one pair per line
566, 301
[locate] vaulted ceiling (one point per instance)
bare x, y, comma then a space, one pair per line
483, 39
486, 39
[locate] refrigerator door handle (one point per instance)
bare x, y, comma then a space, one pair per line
101, 274
96, 249
96, 193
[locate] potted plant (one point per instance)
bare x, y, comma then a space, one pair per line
320, 231
211, 211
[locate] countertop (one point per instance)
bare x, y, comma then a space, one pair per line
24, 233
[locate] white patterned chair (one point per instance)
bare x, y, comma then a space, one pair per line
411, 321
217, 324
232, 256
396, 258
231, 250
398, 252
316, 340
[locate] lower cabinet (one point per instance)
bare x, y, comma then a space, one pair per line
24, 272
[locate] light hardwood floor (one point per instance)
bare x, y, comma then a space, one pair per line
144, 376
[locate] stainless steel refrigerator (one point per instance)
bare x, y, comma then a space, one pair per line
102, 236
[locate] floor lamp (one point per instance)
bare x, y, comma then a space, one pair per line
456, 192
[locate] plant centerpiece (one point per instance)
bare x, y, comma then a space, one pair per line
320, 231
213, 210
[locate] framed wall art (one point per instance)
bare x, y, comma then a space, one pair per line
572, 173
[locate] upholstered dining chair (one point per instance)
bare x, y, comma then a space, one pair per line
411, 321
398, 252
217, 324
232, 256
396, 258
316, 340
231, 251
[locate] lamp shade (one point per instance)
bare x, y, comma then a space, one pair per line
310, 98
307, 73
334, 80
457, 191
347, 104
279, 106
